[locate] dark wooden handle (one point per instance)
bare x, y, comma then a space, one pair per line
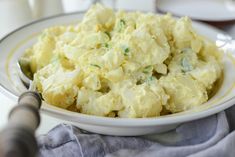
17, 138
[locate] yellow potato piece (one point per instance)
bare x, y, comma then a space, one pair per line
185, 92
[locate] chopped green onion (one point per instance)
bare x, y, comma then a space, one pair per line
108, 34
150, 79
148, 69
122, 22
95, 65
186, 66
106, 45
135, 26
121, 25
125, 50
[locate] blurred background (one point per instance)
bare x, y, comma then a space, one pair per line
219, 13
15, 13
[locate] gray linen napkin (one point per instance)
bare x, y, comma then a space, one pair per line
213, 136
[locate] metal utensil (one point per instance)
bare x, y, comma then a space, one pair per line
24, 72
17, 138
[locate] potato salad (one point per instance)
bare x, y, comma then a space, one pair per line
124, 64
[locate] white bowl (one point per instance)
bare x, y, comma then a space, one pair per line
217, 12
13, 45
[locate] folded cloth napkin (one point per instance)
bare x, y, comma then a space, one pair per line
213, 136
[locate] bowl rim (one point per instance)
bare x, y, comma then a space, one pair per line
136, 122
124, 122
